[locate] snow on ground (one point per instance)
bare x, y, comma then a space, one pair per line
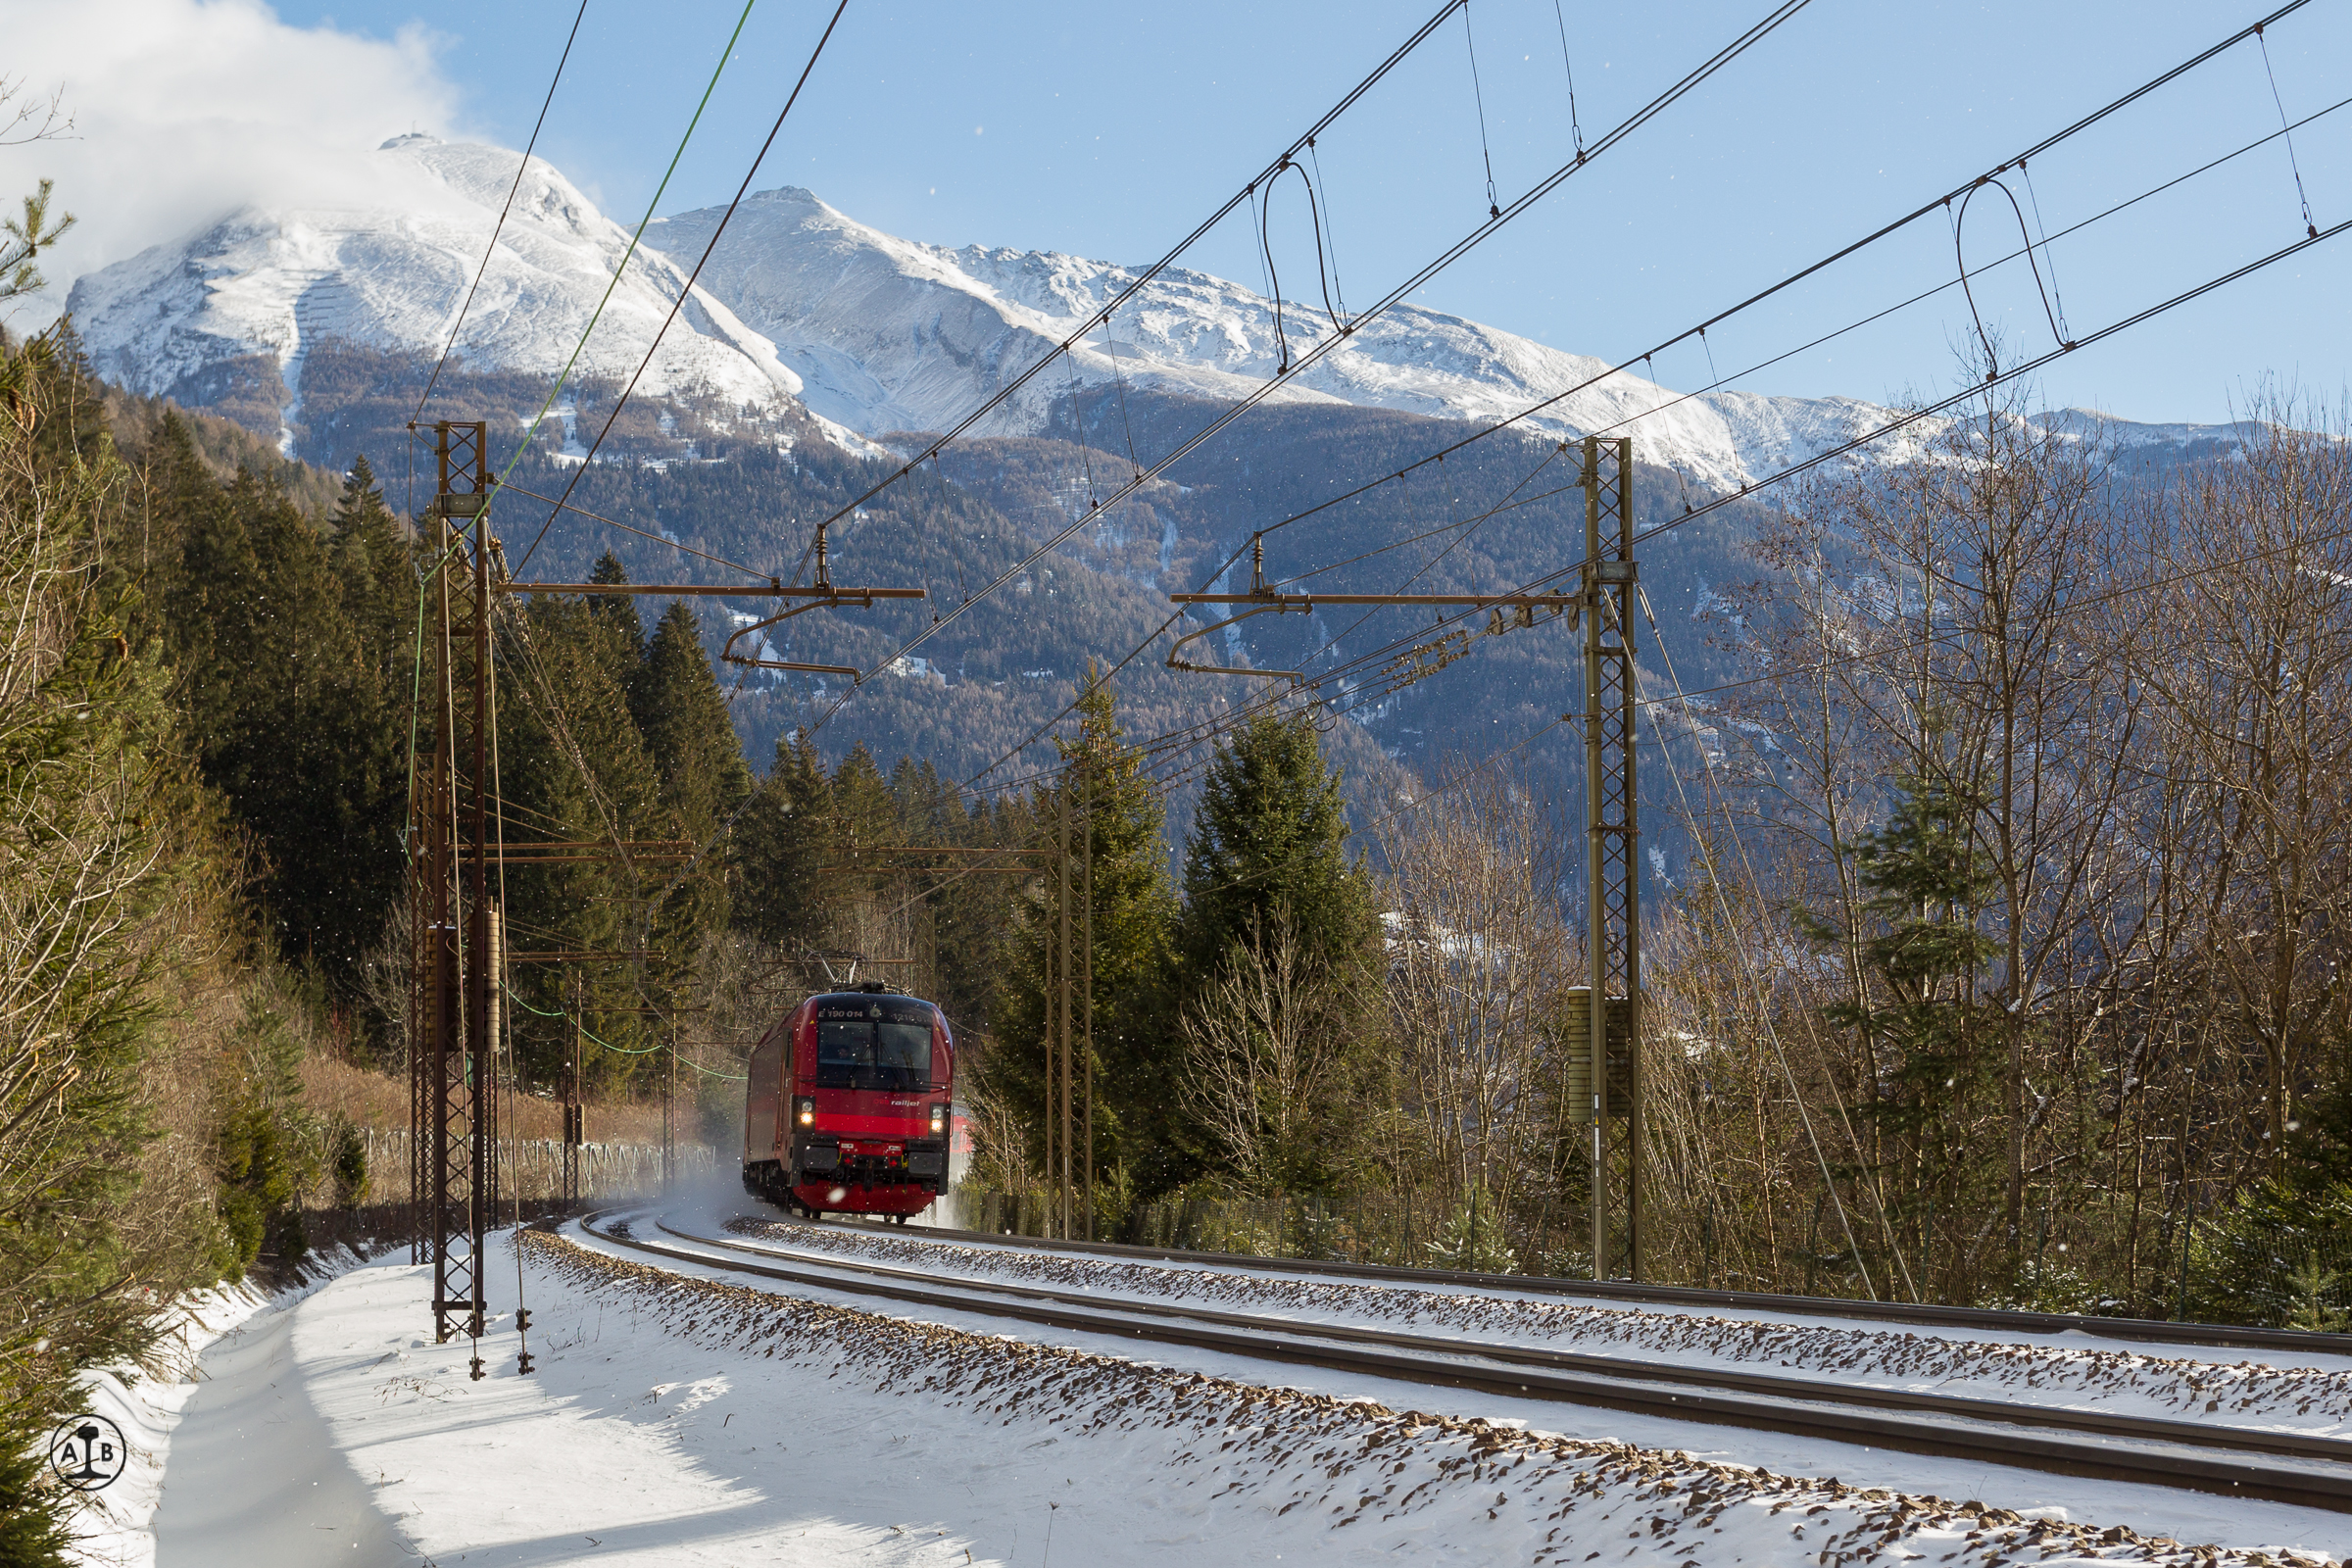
213, 1333
2179, 1515
2307, 1396
677, 1420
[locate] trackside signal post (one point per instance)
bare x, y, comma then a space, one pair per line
1612, 880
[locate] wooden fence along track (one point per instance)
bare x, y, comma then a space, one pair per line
609, 1171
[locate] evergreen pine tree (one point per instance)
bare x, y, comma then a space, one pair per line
861, 800
72, 427
381, 588
1925, 885
1269, 887
101, 921
1140, 1147
617, 632
930, 810
291, 719
574, 766
682, 716
1270, 833
786, 833
969, 916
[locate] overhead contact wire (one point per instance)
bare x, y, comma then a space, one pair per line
1937, 204
560, 504
1748, 490
499, 226
1478, 96
685, 293
1640, 118
1903, 421
629, 255
1245, 195
1826, 262
1576, 131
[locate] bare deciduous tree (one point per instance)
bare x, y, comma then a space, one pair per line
1265, 1043
2246, 649
1480, 958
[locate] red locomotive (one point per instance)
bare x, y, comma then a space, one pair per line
849, 1105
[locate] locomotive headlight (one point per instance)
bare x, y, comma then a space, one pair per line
939, 1120
805, 1112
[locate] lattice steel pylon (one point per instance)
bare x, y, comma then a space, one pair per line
456, 956
1613, 875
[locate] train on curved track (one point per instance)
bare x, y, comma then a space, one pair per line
850, 1107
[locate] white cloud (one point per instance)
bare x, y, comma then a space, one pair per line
186, 110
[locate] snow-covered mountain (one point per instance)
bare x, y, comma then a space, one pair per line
802, 307
389, 269
888, 334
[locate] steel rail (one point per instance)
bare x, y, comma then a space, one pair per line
1757, 1401
2151, 1428
2227, 1336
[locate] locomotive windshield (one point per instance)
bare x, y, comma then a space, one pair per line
874, 1043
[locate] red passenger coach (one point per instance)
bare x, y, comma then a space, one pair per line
850, 1108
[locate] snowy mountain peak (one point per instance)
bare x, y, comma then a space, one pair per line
870, 331
887, 333
388, 266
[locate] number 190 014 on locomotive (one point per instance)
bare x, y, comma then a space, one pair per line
851, 1107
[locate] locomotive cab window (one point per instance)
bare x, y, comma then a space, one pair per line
874, 1046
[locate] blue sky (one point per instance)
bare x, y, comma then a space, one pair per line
1110, 130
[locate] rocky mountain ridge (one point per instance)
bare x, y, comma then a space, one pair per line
800, 307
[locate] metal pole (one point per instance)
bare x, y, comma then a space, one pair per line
574, 1132
1051, 997
446, 1051
1087, 988
480, 1046
461, 1067
1627, 717
421, 992
494, 960
1062, 1186
1612, 820
1596, 935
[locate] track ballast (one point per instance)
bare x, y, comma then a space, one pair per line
2279, 1467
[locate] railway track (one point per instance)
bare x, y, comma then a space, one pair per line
1999, 1322
2279, 1467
